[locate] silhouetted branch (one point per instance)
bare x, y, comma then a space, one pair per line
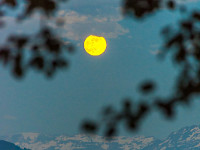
140, 8
184, 45
47, 49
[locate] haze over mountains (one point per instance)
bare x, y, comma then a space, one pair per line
187, 138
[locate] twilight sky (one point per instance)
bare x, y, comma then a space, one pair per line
58, 105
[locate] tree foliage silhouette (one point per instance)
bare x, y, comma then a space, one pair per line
45, 47
47, 56
184, 42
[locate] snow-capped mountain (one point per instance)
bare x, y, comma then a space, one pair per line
35, 141
187, 138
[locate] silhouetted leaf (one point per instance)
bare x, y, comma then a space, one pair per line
147, 87
89, 126
37, 62
5, 55
171, 4
12, 3
111, 131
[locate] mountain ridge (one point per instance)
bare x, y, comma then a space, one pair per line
186, 138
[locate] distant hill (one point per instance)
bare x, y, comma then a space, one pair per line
9, 146
187, 138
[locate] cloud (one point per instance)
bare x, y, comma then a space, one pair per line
155, 49
104, 19
156, 52
72, 17
9, 117
78, 26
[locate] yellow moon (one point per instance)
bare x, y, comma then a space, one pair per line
95, 45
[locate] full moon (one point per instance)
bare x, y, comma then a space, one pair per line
95, 45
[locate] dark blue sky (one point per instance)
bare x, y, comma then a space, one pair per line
36, 104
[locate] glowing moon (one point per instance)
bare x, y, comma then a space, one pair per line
95, 45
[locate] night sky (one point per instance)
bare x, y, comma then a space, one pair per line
59, 105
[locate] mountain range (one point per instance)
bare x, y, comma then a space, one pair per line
187, 138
